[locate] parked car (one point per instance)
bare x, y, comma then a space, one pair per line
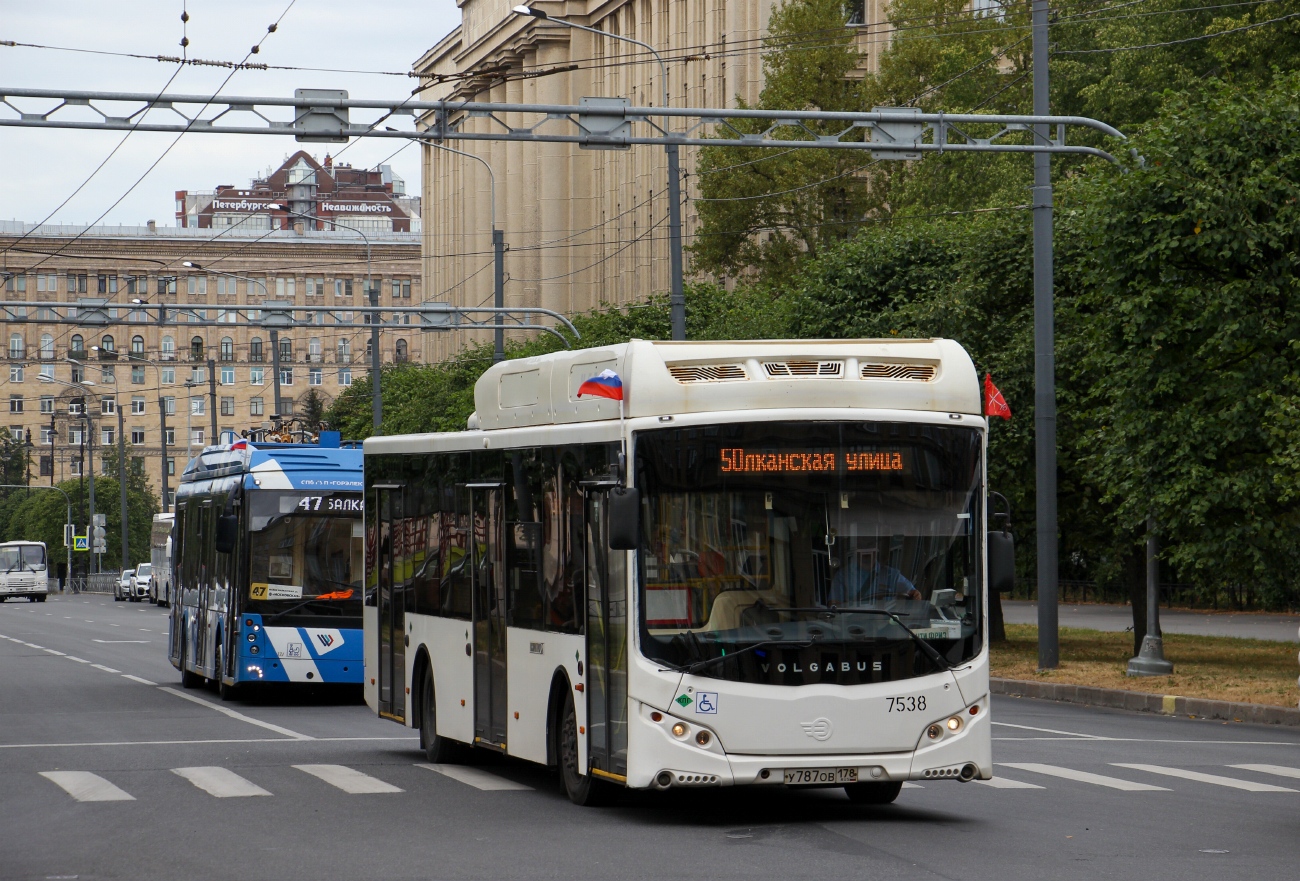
122, 590
142, 583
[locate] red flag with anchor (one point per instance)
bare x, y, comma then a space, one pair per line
994, 403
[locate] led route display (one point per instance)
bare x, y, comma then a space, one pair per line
738, 460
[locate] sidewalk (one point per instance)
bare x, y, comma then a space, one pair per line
1279, 628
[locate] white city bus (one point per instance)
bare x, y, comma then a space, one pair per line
770, 572
23, 570
160, 556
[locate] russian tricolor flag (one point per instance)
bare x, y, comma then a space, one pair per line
606, 384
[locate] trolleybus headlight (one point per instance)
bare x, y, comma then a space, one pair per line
934, 732
702, 738
680, 730
954, 724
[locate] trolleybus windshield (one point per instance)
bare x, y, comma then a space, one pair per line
305, 551
827, 542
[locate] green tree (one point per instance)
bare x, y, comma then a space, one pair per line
313, 411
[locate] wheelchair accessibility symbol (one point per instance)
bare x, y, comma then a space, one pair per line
706, 702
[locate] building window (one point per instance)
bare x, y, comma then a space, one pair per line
47, 346
137, 436
47, 466
314, 376
286, 350
286, 376
227, 349
74, 467
15, 403
137, 375
76, 406
107, 406
16, 373
137, 405
106, 437
401, 289
198, 375
47, 404
198, 284
255, 407
196, 349
167, 285
256, 375
107, 373
345, 376
17, 348
345, 351
196, 406
171, 439
168, 375
171, 464
227, 406
16, 432
313, 349
196, 437
107, 344
255, 349
78, 373
168, 349
77, 346
169, 406
137, 345
47, 435
227, 376
401, 350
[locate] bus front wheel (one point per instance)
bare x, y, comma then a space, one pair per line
873, 793
438, 750
582, 789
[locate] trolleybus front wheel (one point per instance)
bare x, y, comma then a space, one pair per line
873, 793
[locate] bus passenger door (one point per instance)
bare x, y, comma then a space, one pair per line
607, 643
489, 614
392, 608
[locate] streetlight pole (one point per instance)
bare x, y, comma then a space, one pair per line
87, 428
377, 403
121, 479
677, 297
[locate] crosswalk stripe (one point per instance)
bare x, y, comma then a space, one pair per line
474, 777
348, 779
1248, 785
1279, 770
221, 782
912, 786
1084, 777
1006, 783
85, 786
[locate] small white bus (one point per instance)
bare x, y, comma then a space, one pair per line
160, 558
718, 564
23, 570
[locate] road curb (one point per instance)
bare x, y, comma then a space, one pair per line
1140, 702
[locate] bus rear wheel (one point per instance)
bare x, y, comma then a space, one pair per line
582, 789
438, 750
873, 793
188, 679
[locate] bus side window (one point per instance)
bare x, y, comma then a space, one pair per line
526, 557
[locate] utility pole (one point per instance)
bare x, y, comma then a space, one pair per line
498, 290
162, 421
121, 479
1049, 649
376, 389
275, 369
90, 482
212, 396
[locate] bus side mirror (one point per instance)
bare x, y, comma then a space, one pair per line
227, 533
624, 518
1002, 561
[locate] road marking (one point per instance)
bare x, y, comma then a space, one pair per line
121, 641
348, 779
1052, 731
78, 660
85, 786
1279, 770
145, 630
60, 654
138, 679
105, 669
226, 711
201, 742
474, 777
112, 625
1084, 777
913, 786
1005, 783
221, 782
1199, 777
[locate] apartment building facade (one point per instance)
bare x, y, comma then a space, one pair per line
119, 357
583, 227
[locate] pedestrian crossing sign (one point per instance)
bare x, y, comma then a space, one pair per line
80, 543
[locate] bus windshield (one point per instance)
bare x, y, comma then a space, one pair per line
305, 550
793, 553
27, 558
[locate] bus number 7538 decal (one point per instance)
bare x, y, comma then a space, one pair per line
908, 704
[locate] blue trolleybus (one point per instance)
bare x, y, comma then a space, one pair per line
268, 561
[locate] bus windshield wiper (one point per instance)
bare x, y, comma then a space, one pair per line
329, 604
708, 662
926, 649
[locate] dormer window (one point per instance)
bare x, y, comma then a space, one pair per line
301, 171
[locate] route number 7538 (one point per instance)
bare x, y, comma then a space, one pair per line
909, 704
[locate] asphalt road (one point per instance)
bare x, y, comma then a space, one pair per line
109, 770
1282, 628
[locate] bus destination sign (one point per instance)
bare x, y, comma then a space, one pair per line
737, 460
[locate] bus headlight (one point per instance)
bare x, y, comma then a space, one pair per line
680, 730
934, 732
954, 724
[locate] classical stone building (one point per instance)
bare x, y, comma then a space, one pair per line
584, 227
139, 366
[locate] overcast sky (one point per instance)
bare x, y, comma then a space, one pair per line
41, 167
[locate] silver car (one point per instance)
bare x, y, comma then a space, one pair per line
123, 590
